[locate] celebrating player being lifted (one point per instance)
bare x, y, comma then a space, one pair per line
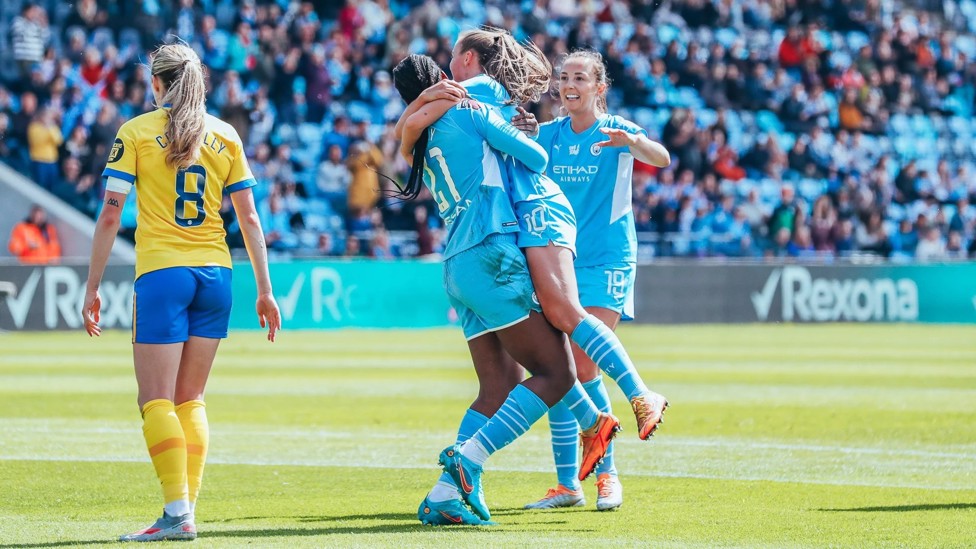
489, 62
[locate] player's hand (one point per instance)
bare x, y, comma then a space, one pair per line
268, 314
91, 312
445, 89
617, 138
526, 122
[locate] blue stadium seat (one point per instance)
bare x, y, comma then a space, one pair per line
744, 186
904, 147
922, 125
726, 36
810, 189
896, 211
785, 140
644, 118
768, 122
666, 33
900, 123
769, 190
857, 40
705, 117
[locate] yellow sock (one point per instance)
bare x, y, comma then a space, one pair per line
193, 418
167, 447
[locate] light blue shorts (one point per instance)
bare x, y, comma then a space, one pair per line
609, 286
489, 286
546, 219
170, 305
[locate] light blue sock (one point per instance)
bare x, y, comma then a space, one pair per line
598, 394
604, 348
520, 410
579, 404
565, 443
445, 488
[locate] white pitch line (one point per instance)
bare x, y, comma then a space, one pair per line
434, 436
510, 469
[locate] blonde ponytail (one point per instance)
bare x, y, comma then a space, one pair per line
185, 94
523, 69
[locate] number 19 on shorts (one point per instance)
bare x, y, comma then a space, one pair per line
616, 283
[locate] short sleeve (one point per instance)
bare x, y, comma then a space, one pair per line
240, 176
122, 156
627, 126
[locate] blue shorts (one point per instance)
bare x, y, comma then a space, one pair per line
170, 305
489, 286
546, 219
609, 286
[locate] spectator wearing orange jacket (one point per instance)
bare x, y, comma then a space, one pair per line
34, 240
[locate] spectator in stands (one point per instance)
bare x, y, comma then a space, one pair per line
364, 161
333, 179
77, 188
871, 236
801, 244
29, 34
904, 240
7, 148
784, 215
822, 222
34, 240
931, 247
844, 236
955, 246
43, 139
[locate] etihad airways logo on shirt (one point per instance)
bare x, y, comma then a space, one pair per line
574, 170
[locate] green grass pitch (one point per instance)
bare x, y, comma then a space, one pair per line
778, 436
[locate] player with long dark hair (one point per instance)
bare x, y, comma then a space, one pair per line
493, 67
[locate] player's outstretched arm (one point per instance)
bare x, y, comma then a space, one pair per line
247, 216
106, 229
643, 148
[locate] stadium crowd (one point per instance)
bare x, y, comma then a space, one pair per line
805, 129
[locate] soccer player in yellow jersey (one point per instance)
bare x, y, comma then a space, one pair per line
181, 161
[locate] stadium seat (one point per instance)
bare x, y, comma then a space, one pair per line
768, 122
857, 40
666, 33
726, 36
785, 140
900, 124
644, 118
810, 189
705, 117
922, 125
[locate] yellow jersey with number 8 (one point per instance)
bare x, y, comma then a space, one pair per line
178, 223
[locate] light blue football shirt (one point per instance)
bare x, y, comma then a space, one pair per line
597, 182
525, 184
464, 172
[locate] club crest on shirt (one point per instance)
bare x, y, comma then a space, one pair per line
118, 149
573, 150
468, 104
596, 149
